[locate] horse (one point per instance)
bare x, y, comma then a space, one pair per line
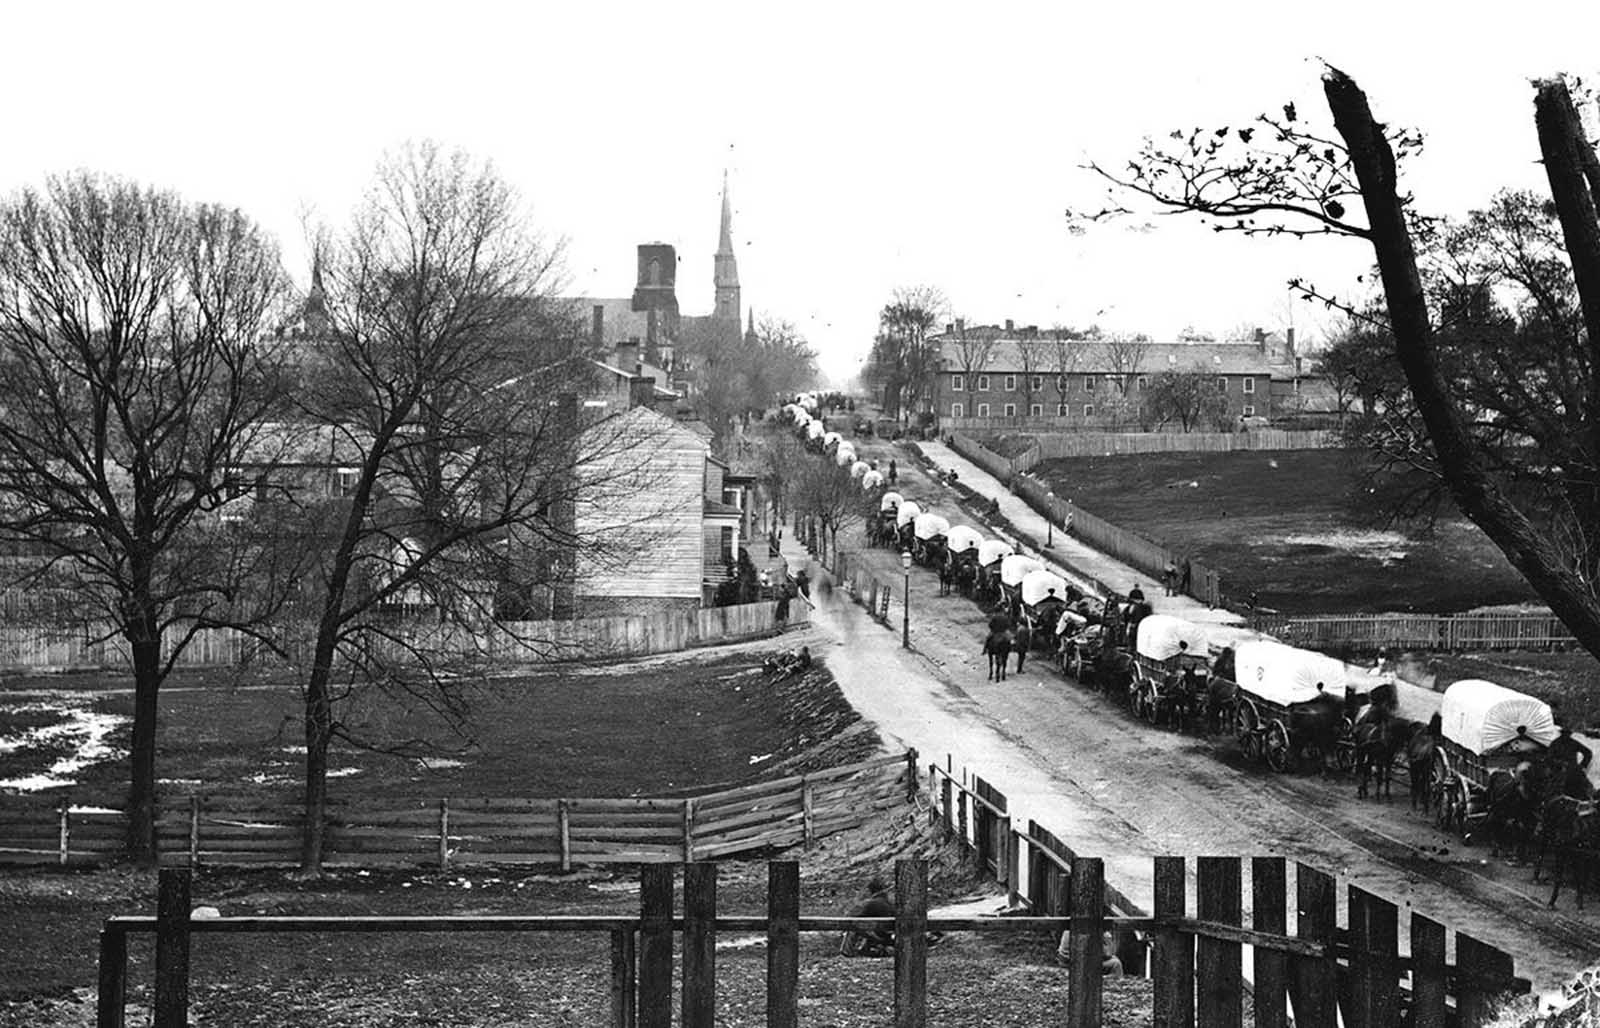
1314, 727
1377, 742
998, 648
1114, 672
1419, 761
1021, 641
966, 577
946, 577
1510, 805
1221, 695
1568, 826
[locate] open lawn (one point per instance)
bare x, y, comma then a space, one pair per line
1291, 527
652, 728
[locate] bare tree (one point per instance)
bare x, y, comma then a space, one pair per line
1034, 353
973, 352
825, 491
1523, 464
1189, 396
134, 372
1066, 353
1125, 355
903, 358
452, 379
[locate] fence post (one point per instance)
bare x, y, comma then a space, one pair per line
1268, 894
64, 834
911, 944
688, 830
1429, 985
1481, 971
911, 775
1086, 951
1314, 987
1219, 965
624, 965
564, 822
194, 831
172, 949
1374, 954
699, 945
444, 833
113, 977
1172, 968
783, 943
655, 946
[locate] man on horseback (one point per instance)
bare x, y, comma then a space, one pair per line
1567, 750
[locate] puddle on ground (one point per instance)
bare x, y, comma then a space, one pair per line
84, 732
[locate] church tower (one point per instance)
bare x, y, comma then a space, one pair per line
726, 274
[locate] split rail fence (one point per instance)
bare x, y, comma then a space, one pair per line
1314, 971
91, 647
447, 833
1322, 970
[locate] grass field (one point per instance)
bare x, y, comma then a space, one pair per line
1293, 528
656, 729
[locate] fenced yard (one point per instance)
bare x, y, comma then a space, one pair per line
444, 833
1457, 633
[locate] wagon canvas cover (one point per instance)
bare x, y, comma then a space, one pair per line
993, 550
1482, 716
871, 480
962, 538
1160, 634
1037, 585
890, 501
1284, 674
1015, 567
929, 525
907, 513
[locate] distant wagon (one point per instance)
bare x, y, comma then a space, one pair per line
1013, 569
928, 538
990, 553
1486, 728
903, 519
1172, 661
1044, 597
1288, 709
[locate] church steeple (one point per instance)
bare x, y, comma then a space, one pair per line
726, 272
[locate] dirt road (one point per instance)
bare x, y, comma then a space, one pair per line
1115, 786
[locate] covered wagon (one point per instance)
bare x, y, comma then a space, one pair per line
1288, 708
1484, 728
928, 538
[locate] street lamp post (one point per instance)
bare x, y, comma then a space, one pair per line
905, 600
1049, 522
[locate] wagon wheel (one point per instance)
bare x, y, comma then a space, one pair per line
1250, 745
1076, 664
1275, 746
1148, 701
1344, 747
1245, 719
1454, 801
1440, 788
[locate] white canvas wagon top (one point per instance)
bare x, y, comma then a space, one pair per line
1015, 567
1038, 585
1482, 716
871, 480
890, 500
991, 550
906, 514
1160, 634
845, 454
814, 430
929, 525
859, 469
1284, 674
829, 438
962, 538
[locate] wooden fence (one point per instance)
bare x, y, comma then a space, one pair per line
1455, 632
1054, 445
31, 648
1355, 968
872, 594
462, 832
1315, 970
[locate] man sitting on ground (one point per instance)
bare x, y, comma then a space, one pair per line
878, 942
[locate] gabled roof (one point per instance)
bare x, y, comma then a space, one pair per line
645, 425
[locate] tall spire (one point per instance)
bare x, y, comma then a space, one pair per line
725, 276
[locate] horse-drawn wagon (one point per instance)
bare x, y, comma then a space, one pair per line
928, 538
1287, 709
1013, 569
990, 553
1483, 728
883, 530
871, 479
1044, 597
1172, 668
904, 518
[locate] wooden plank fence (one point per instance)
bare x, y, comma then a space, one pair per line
1197, 977
871, 593
1454, 632
465, 832
1307, 976
82, 647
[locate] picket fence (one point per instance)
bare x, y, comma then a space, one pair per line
1054, 445
1142, 554
1320, 971
1452, 632
83, 647
446, 832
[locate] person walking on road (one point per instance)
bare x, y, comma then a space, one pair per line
894, 473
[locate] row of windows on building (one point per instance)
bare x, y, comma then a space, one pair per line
958, 383
1063, 410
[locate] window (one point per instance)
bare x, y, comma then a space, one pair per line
1248, 411
1116, 380
1062, 410
1088, 383
1038, 383
1011, 410
344, 481
1011, 383
726, 546
1088, 410
983, 410
1143, 382
958, 410
983, 383
1249, 386
1222, 384
1036, 409
958, 383
1061, 383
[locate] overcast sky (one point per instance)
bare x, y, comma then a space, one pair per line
870, 145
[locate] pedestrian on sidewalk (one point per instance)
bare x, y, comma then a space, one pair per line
1186, 582
1169, 578
894, 473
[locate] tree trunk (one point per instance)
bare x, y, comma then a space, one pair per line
1473, 488
319, 734
142, 777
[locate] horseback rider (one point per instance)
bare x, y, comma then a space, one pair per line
1566, 750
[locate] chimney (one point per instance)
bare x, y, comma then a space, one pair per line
949, 328
1009, 327
598, 331
1289, 341
1261, 339
627, 357
641, 389
961, 326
